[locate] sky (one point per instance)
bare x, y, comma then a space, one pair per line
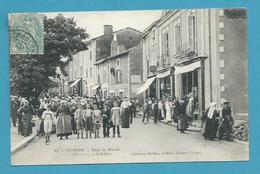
93, 22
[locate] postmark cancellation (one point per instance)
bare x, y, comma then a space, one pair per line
26, 34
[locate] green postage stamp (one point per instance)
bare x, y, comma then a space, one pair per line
26, 33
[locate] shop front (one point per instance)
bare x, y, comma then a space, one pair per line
165, 81
189, 83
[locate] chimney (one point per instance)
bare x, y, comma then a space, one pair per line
108, 30
114, 46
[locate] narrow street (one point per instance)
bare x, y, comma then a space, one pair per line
141, 143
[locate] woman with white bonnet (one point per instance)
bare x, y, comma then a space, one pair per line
63, 125
210, 125
26, 112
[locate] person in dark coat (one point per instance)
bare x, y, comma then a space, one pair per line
176, 108
125, 114
40, 122
155, 111
26, 113
14, 108
105, 113
131, 111
210, 126
182, 117
226, 122
72, 110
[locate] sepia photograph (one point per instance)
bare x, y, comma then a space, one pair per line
138, 86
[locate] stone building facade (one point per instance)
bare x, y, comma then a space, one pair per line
85, 76
200, 53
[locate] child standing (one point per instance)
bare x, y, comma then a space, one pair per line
105, 120
79, 119
97, 120
47, 116
116, 119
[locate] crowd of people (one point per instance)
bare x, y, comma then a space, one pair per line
68, 115
216, 122
85, 116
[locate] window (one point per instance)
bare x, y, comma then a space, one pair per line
118, 62
98, 78
81, 71
191, 32
177, 38
118, 76
153, 35
90, 72
86, 73
165, 48
90, 55
166, 39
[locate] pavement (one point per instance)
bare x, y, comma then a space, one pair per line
18, 142
141, 143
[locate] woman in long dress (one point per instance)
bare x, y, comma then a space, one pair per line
125, 113
63, 121
168, 110
160, 110
209, 129
47, 116
189, 109
182, 118
26, 112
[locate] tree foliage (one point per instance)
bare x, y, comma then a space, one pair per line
29, 74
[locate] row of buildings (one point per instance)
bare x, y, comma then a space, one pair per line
198, 52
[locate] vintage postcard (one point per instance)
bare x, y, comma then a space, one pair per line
128, 86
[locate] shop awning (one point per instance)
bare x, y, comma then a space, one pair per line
142, 88
74, 83
187, 68
164, 74
95, 87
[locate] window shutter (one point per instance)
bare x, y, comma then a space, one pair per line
121, 79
